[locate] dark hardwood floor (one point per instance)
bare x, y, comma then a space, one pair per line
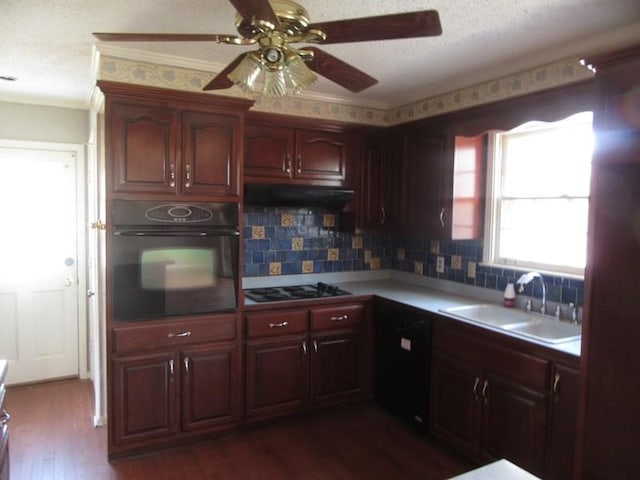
52, 437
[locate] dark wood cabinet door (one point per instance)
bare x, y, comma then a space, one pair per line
210, 386
210, 149
373, 208
456, 388
268, 152
141, 147
320, 156
513, 423
336, 367
426, 177
143, 397
563, 423
277, 376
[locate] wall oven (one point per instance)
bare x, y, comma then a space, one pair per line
173, 259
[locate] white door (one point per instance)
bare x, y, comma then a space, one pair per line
38, 263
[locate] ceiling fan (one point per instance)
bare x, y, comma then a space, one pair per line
277, 68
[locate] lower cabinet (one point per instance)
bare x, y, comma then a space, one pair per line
563, 422
160, 395
298, 358
144, 397
489, 401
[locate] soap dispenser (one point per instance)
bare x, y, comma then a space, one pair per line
509, 296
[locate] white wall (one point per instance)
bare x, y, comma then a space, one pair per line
19, 121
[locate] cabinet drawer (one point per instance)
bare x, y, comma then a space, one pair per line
148, 337
527, 369
341, 316
269, 324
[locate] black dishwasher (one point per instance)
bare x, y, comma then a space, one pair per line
402, 361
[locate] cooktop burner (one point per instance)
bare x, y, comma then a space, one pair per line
294, 292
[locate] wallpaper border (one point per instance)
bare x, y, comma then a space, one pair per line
180, 78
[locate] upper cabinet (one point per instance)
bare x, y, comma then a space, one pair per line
173, 143
381, 182
281, 153
421, 180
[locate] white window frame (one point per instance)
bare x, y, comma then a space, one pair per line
492, 220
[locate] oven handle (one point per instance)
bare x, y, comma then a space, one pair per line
170, 233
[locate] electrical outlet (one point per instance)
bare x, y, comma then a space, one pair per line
456, 262
471, 270
440, 265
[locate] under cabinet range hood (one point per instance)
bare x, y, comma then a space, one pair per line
278, 195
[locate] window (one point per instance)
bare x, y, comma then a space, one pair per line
538, 195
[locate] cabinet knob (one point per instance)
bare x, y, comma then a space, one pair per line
180, 335
304, 347
279, 325
475, 387
186, 364
442, 217
171, 368
485, 385
187, 170
299, 168
315, 346
287, 163
172, 175
340, 318
4, 417
556, 383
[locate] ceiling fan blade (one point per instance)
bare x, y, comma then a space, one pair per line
338, 71
256, 9
386, 27
168, 37
221, 81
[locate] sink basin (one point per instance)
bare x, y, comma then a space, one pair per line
491, 315
548, 330
544, 329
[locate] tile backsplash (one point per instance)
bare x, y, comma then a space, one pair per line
286, 241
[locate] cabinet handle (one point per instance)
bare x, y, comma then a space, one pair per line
186, 364
556, 383
484, 390
299, 168
304, 348
475, 387
287, 163
4, 417
172, 175
383, 216
315, 346
187, 170
278, 325
181, 334
442, 217
340, 318
171, 368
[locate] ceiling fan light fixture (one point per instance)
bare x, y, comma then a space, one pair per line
246, 74
272, 72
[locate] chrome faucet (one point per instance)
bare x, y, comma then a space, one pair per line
528, 277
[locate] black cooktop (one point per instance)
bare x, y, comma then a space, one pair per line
294, 292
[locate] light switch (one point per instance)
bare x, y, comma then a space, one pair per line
440, 265
405, 344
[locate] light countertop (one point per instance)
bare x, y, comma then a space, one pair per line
423, 293
500, 470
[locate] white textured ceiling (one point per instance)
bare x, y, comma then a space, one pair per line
47, 44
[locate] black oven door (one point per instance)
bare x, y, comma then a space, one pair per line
169, 272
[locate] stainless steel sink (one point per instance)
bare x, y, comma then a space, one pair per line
548, 330
544, 329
